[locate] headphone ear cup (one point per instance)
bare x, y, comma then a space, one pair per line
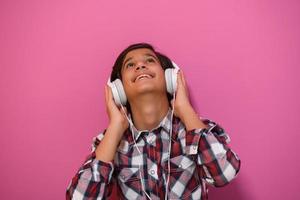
171, 80
118, 92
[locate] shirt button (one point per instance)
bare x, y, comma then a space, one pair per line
152, 172
123, 177
179, 165
194, 147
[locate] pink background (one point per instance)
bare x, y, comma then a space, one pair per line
240, 58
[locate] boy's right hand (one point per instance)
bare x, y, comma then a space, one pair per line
117, 117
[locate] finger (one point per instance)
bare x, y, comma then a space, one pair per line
105, 90
179, 78
106, 100
184, 84
182, 78
109, 98
109, 93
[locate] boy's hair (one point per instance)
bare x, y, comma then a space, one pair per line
165, 62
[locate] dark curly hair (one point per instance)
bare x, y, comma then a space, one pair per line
165, 62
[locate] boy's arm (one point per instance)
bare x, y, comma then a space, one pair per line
93, 180
209, 142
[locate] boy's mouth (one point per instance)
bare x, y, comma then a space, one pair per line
143, 76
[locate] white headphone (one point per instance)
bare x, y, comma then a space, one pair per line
118, 91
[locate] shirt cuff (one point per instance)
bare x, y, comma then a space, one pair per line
193, 136
192, 140
97, 170
102, 171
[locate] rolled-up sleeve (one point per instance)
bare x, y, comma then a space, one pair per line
93, 179
219, 164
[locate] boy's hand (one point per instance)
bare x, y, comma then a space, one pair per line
106, 150
182, 102
116, 115
182, 106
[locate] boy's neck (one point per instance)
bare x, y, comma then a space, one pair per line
149, 110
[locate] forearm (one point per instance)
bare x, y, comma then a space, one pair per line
95, 173
106, 150
191, 120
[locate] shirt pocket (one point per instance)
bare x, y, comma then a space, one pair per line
130, 182
184, 178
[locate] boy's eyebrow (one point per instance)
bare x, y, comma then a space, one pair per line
149, 54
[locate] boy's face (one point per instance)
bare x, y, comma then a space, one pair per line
142, 73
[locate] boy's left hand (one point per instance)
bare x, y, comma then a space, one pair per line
182, 102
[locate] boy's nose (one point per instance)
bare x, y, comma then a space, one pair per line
141, 66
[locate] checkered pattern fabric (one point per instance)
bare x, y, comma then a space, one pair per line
198, 157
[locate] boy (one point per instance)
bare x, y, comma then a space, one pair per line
135, 156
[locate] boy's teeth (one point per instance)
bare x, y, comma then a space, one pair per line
143, 76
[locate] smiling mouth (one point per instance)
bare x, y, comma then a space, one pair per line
143, 76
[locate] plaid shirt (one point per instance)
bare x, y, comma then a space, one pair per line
198, 157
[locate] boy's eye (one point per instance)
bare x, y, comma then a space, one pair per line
129, 64
150, 60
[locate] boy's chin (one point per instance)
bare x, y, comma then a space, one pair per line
144, 91
144, 88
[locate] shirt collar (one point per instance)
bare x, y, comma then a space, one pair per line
164, 124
